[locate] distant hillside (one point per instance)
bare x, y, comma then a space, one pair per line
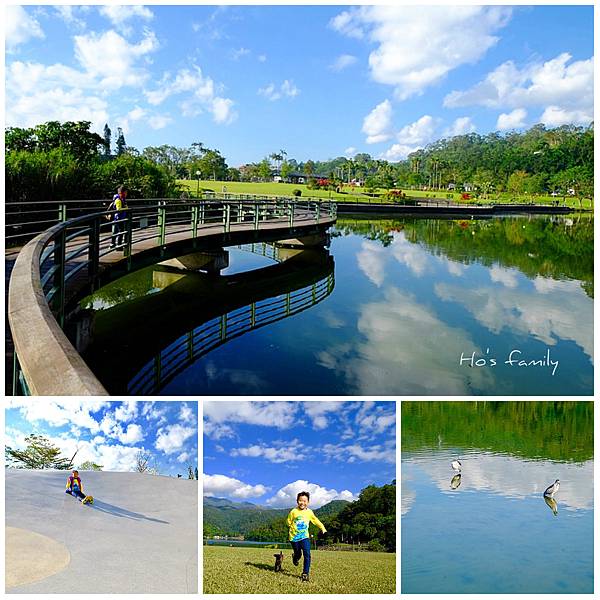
225, 517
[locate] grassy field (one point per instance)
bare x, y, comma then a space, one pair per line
358, 194
250, 571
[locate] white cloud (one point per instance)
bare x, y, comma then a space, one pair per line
317, 411
343, 62
412, 137
127, 411
221, 485
201, 94
68, 14
58, 413
159, 121
19, 27
319, 496
398, 31
371, 261
272, 93
133, 435
120, 15
350, 151
111, 59
554, 116
183, 457
388, 332
565, 90
539, 316
217, 415
512, 120
507, 277
373, 419
418, 133
355, 452
378, 123
171, 438
237, 54
461, 126
278, 452
397, 152
186, 414
262, 58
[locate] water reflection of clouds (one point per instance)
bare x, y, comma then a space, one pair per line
408, 497
542, 316
507, 277
395, 353
511, 476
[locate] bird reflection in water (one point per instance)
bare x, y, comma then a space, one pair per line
455, 482
552, 504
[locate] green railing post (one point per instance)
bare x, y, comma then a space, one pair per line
94, 250
291, 214
58, 301
227, 217
202, 216
62, 212
240, 218
288, 303
223, 327
162, 224
128, 238
195, 221
256, 215
318, 212
253, 314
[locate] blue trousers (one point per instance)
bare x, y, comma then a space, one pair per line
302, 547
77, 493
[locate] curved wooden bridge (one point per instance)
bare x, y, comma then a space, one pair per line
75, 257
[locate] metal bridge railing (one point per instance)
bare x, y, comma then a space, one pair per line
203, 339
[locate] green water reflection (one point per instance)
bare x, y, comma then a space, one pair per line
489, 529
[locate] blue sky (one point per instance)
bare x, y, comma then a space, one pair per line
111, 433
316, 81
267, 452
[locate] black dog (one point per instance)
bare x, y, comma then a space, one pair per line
278, 561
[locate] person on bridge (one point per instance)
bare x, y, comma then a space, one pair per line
75, 488
298, 521
119, 204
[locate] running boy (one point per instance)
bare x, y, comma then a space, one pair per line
298, 521
75, 488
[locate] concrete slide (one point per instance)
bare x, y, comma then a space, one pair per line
139, 536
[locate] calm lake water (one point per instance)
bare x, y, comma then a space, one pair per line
391, 308
491, 531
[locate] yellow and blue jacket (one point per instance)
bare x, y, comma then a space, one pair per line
72, 480
298, 521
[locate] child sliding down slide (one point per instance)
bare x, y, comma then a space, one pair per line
75, 488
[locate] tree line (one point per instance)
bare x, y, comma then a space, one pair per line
56, 161
370, 520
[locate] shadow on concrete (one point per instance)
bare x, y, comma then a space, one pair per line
265, 567
117, 511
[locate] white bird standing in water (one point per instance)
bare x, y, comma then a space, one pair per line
456, 465
552, 489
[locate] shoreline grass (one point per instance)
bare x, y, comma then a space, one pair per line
355, 194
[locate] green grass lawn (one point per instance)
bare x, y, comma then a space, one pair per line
250, 571
358, 194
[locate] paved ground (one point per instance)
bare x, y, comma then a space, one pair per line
139, 536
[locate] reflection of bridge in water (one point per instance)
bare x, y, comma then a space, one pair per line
189, 314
